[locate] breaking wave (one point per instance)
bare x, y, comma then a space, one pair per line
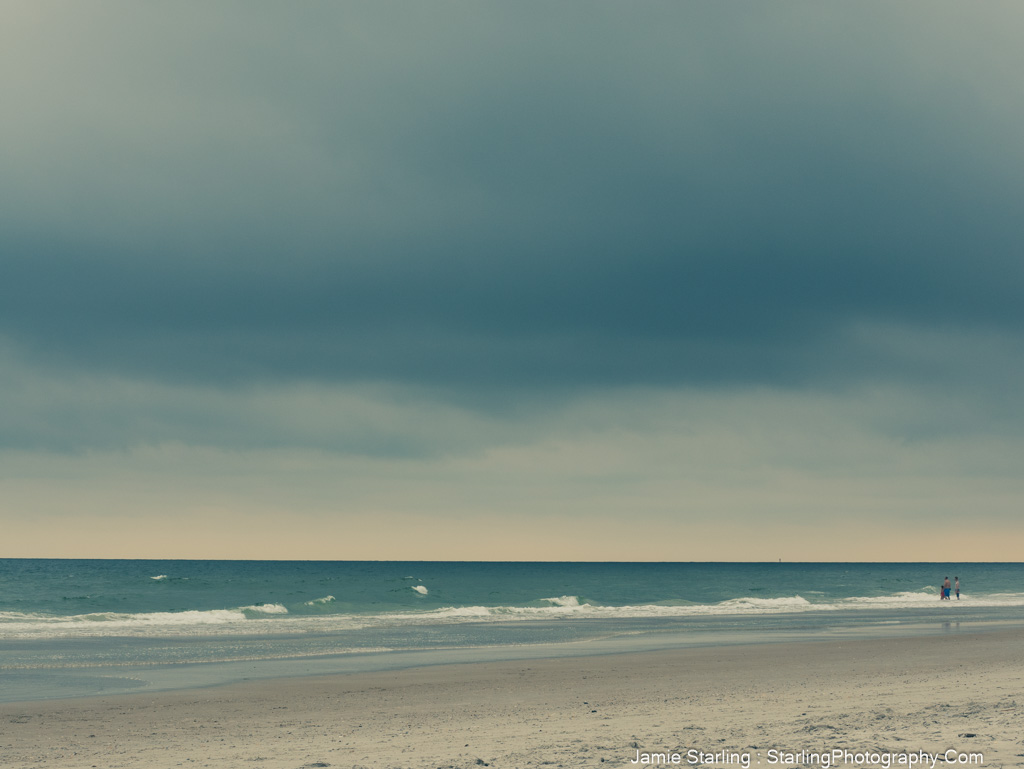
565, 600
325, 614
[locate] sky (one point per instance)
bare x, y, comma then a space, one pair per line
576, 281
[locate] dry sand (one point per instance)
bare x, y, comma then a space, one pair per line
959, 691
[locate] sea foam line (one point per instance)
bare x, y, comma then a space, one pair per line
261, 618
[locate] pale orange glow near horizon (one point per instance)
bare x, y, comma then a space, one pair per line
750, 480
183, 527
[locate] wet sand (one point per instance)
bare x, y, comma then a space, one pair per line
961, 692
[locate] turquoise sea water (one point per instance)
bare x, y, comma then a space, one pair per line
75, 627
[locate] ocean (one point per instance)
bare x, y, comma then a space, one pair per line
79, 627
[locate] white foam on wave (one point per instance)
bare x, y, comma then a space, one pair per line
924, 596
159, 577
565, 600
183, 618
110, 623
258, 619
266, 608
455, 612
420, 589
748, 605
320, 601
17, 616
997, 599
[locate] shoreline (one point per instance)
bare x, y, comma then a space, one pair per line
897, 695
593, 638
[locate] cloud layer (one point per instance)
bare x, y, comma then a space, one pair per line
405, 232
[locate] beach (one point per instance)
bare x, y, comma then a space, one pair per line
956, 698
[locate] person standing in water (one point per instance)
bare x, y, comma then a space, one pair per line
945, 589
957, 587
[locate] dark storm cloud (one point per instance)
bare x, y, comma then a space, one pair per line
464, 196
